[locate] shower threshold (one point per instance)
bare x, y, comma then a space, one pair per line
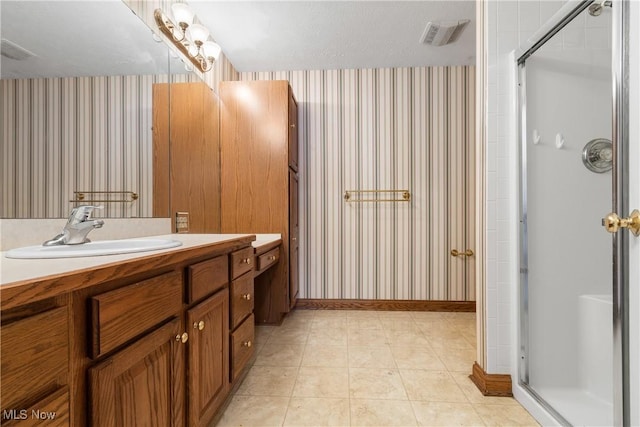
578, 406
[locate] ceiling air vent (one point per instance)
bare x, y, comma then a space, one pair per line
441, 33
13, 51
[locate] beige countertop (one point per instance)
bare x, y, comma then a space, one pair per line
265, 242
14, 271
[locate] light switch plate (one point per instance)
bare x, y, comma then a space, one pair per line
182, 222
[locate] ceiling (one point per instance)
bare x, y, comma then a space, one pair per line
80, 38
103, 37
315, 35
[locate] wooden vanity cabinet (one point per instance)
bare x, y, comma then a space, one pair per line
242, 326
35, 365
294, 244
188, 136
149, 379
142, 382
259, 167
140, 342
208, 358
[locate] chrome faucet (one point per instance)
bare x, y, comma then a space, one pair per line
77, 227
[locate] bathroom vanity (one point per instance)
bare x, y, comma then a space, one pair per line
160, 337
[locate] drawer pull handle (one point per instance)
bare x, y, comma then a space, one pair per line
272, 258
294, 239
245, 261
198, 325
182, 338
246, 296
247, 344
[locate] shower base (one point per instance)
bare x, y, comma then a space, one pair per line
578, 406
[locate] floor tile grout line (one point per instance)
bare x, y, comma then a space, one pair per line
451, 372
304, 347
348, 374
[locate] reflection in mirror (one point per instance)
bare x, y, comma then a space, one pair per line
76, 108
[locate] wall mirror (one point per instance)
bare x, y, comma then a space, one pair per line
76, 108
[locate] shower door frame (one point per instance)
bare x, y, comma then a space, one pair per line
620, 191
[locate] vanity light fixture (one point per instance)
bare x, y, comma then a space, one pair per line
191, 39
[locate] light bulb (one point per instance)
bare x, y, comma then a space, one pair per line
193, 50
197, 33
211, 49
182, 13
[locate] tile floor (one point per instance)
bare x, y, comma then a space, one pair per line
367, 368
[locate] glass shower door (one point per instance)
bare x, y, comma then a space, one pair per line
567, 333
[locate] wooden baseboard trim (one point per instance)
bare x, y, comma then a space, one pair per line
491, 384
386, 305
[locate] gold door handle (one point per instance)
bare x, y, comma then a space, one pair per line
182, 338
198, 325
294, 239
272, 258
246, 296
246, 261
455, 252
612, 222
247, 344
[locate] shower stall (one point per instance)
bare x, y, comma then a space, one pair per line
568, 310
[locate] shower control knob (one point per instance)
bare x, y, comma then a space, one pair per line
612, 222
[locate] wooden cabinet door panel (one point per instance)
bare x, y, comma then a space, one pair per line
34, 354
293, 132
52, 411
208, 357
141, 385
294, 230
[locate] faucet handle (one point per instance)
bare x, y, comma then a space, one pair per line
82, 213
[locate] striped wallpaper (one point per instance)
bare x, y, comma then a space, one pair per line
66, 134
92, 133
399, 128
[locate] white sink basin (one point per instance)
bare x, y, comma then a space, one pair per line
104, 247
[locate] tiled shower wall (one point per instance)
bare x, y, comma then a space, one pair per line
398, 128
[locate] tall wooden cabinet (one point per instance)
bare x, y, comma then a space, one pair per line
259, 181
186, 154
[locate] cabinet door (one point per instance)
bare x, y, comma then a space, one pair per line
208, 357
143, 384
294, 231
34, 354
293, 132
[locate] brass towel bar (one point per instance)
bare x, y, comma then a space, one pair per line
405, 196
126, 197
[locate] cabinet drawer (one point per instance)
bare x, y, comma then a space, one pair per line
52, 411
207, 277
122, 314
242, 345
34, 356
267, 259
241, 299
241, 262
